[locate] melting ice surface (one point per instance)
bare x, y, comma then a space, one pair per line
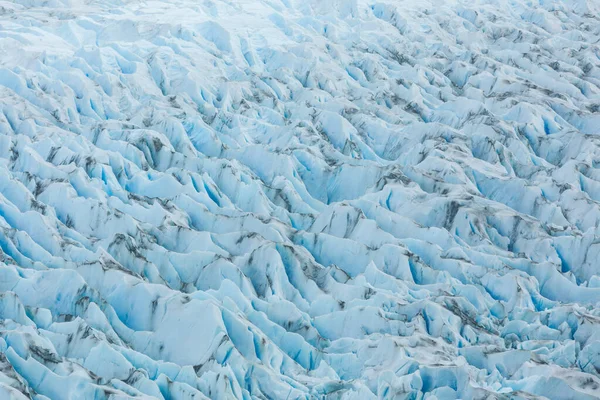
299, 199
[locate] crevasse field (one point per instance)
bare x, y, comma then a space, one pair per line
299, 199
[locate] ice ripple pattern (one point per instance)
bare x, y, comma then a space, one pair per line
294, 199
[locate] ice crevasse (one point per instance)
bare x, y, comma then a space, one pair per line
299, 199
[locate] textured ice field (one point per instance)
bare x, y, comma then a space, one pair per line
299, 199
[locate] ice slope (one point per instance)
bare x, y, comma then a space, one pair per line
294, 199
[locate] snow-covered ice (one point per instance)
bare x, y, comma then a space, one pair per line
299, 199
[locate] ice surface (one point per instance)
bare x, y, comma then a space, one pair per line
298, 199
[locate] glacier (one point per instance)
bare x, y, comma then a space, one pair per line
299, 199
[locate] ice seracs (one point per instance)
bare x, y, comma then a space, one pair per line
299, 199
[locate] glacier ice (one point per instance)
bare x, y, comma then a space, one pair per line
298, 199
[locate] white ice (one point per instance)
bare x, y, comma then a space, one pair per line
299, 199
